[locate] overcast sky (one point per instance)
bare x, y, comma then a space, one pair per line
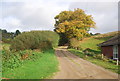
26, 15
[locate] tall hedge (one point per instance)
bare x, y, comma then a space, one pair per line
35, 40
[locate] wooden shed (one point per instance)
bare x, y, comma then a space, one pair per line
111, 48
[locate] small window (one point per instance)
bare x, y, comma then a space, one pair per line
115, 52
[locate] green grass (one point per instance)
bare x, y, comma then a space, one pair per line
91, 43
43, 67
104, 64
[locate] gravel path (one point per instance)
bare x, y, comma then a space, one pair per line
73, 67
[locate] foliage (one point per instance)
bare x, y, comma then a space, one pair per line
74, 43
7, 37
112, 61
22, 64
17, 32
6, 34
39, 65
11, 60
7, 40
63, 39
89, 50
74, 24
35, 40
3, 31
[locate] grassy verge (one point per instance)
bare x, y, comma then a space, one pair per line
42, 67
104, 64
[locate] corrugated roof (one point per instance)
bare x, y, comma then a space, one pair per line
112, 41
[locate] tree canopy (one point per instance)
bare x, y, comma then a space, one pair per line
74, 24
17, 32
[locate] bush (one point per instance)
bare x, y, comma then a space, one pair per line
74, 43
35, 40
112, 61
6, 40
99, 56
88, 52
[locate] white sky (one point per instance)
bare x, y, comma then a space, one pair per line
27, 15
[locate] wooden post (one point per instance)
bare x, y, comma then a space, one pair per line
117, 62
102, 56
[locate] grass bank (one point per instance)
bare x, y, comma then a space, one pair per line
91, 43
42, 67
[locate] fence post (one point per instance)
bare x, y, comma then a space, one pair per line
117, 62
85, 55
102, 56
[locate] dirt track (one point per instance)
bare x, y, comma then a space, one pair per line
73, 67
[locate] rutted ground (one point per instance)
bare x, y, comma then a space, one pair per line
73, 67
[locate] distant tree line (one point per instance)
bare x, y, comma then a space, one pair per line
7, 36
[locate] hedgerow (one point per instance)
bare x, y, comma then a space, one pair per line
42, 40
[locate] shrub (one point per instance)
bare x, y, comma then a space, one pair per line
45, 45
88, 52
99, 56
112, 61
35, 40
74, 43
6, 40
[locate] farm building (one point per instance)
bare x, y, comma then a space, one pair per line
111, 47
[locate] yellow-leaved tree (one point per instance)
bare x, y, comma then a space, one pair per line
73, 24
